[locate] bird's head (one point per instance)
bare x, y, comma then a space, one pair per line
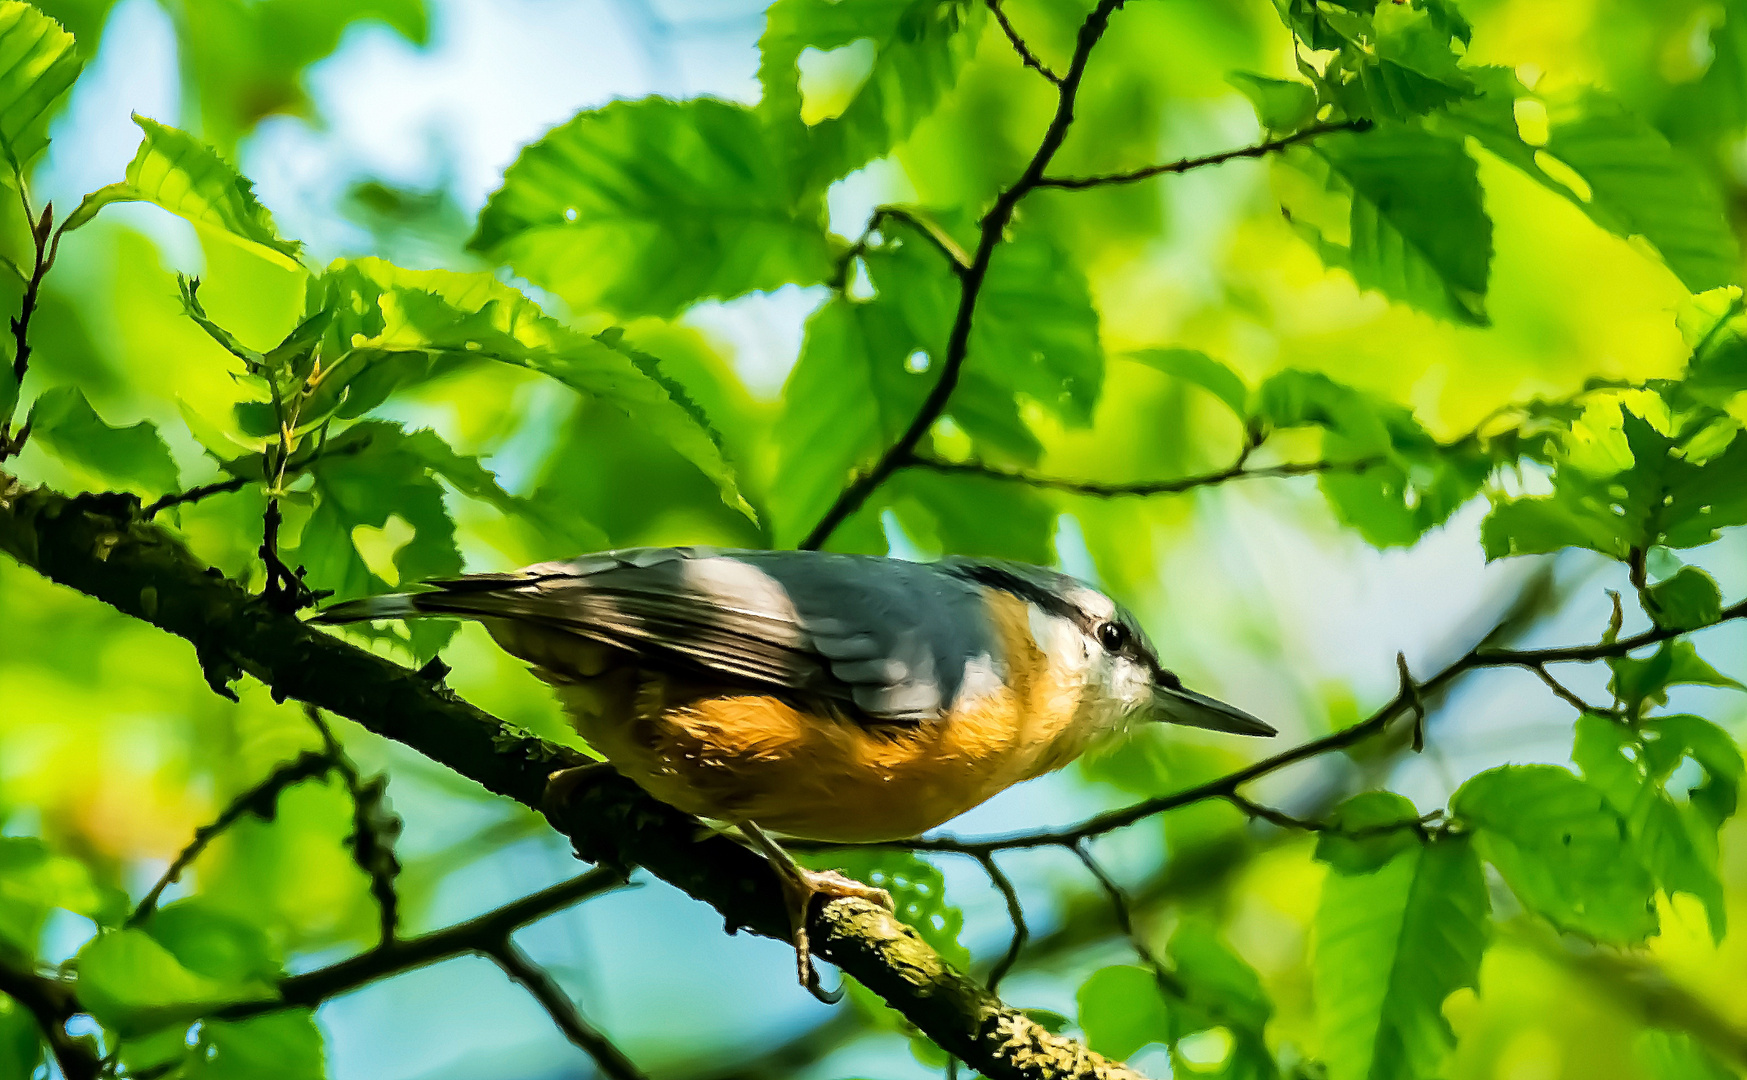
1081, 627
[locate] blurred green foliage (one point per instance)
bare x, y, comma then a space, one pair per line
1507, 276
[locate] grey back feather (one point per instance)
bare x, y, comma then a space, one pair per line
892, 639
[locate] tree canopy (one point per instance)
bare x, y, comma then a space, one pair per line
1387, 358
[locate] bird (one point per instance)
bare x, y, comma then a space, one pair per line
818, 695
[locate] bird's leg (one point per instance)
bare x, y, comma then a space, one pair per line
562, 784
799, 886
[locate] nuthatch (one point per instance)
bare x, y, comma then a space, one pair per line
831, 697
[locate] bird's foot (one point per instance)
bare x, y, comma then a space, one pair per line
799, 888
561, 785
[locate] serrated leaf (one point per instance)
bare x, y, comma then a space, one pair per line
1659, 497
849, 396
1280, 105
1194, 366
1367, 831
1562, 849
285, 1045
1686, 601
918, 48
135, 457
1634, 183
1392, 944
38, 64
918, 893
1036, 328
1403, 483
393, 326
1674, 663
645, 207
190, 179
214, 942
1419, 232
132, 984
366, 476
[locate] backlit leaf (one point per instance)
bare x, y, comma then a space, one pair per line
918, 48
645, 207
37, 65
1562, 849
188, 178
1392, 944
134, 456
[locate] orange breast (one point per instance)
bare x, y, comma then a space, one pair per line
806, 767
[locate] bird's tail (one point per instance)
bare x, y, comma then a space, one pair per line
475, 596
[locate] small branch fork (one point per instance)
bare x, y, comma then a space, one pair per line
47, 241
974, 269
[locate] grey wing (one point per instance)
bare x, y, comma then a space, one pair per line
894, 639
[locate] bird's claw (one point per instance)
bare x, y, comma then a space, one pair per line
799, 890
561, 785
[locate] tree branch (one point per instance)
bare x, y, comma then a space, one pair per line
98, 545
545, 989
1262, 149
1026, 56
994, 225
1100, 490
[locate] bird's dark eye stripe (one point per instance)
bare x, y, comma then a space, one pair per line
1168, 680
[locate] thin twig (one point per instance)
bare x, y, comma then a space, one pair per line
260, 800
47, 241
195, 494
406, 954
1564, 693
1278, 818
993, 228
374, 829
545, 989
1101, 490
1026, 56
1015, 912
1169, 985
1272, 146
1414, 701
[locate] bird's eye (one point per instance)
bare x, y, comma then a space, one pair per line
1113, 636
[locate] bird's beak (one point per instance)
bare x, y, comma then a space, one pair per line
1186, 707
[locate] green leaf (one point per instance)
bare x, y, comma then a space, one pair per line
1392, 944
918, 49
1280, 105
392, 327
1418, 230
285, 1045
20, 1045
1222, 993
645, 207
33, 882
39, 64
1036, 328
1629, 180
1404, 482
1406, 66
1121, 1010
366, 476
214, 942
849, 396
1659, 496
136, 456
1367, 831
131, 983
1674, 663
1669, 1055
1202, 370
1688, 600
183, 175
918, 893
1562, 849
